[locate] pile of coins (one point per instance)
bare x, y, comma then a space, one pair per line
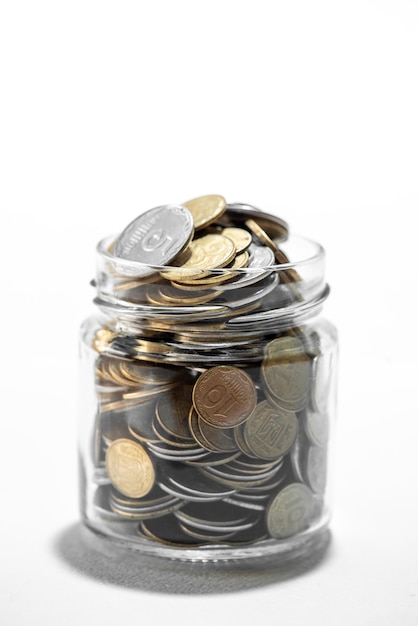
212, 424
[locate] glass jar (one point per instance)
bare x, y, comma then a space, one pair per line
207, 412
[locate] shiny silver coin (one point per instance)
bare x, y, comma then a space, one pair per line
155, 237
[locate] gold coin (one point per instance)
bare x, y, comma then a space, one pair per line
289, 275
216, 277
209, 251
130, 468
102, 339
241, 238
205, 209
172, 295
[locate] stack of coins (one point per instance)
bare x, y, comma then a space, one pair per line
212, 419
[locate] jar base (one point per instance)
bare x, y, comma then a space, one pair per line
308, 546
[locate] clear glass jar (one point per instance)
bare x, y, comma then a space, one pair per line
207, 416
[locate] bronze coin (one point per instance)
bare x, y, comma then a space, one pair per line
224, 396
270, 432
286, 373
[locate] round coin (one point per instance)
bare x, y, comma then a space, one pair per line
156, 237
270, 432
290, 511
209, 251
241, 237
224, 396
286, 373
130, 468
205, 209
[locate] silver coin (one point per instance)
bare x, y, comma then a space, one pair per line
155, 237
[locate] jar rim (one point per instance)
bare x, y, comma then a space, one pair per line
135, 268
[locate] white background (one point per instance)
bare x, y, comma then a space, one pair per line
307, 109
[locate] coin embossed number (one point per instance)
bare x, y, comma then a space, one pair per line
224, 396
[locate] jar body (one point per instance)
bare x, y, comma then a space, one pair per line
160, 475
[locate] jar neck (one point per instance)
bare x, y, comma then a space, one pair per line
223, 310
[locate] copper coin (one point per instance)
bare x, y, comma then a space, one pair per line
224, 396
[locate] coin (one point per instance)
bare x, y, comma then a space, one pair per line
289, 274
155, 237
241, 237
290, 511
286, 373
316, 427
205, 209
130, 468
316, 468
173, 411
275, 227
269, 431
220, 439
171, 294
209, 251
224, 396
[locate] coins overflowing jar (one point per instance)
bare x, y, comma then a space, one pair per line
208, 386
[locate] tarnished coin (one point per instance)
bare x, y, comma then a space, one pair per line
205, 209
173, 411
270, 432
209, 251
290, 512
219, 439
156, 237
130, 468
224, 396
286, 373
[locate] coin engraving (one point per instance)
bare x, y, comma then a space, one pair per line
286, 372
156, 236
269, 431
224, 396
130, 468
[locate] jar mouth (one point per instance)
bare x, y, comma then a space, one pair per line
302, 250
259, 298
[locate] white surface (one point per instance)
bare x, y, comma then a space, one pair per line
308, 109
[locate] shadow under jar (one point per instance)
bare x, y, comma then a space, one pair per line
208, 406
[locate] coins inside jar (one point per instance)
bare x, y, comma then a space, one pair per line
212, 427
